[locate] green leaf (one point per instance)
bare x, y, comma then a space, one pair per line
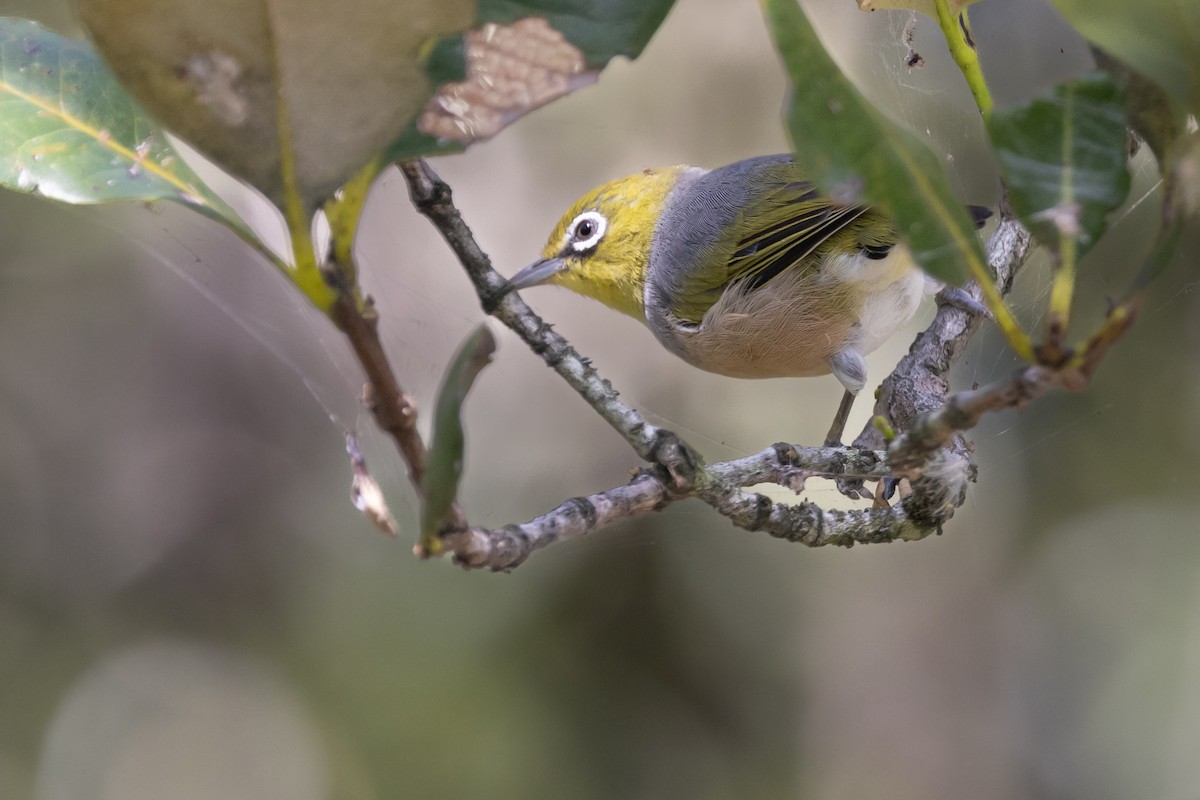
1063, 156
1158, 38
443, 468
857, 155
71, 133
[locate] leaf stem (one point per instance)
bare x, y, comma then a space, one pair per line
1014, 334
957, 31
343, 211
1062, 291
1062, 288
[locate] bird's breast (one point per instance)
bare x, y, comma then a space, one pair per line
792, 325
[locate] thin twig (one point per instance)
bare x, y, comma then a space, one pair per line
393, 409
962, 411
507, 547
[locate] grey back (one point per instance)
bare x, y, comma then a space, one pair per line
700, 207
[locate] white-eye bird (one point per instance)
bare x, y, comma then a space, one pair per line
745, 270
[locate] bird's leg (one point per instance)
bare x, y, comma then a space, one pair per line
850, 368
834, 437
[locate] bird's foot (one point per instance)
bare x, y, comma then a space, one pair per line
957, 297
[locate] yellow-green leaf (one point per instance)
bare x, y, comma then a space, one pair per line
68, 131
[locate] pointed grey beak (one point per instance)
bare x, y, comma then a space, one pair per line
537, 273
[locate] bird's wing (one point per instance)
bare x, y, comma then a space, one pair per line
786, 226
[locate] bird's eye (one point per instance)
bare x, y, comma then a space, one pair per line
587, 230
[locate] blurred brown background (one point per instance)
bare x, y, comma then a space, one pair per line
190, 607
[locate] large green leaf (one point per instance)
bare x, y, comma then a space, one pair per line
1158, 38
1063, 156
443, 468
294, 96
68, 130
858, 156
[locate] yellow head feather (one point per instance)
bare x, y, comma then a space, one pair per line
612, 271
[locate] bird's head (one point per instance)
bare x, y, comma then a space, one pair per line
600, 247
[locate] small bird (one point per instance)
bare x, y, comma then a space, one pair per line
745, 270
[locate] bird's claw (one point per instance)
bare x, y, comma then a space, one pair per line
957, 297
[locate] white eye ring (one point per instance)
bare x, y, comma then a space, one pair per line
593, 224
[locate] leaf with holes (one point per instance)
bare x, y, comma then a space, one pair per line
68, 130
443, 469
1063, 156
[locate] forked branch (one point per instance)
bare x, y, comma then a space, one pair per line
938, 475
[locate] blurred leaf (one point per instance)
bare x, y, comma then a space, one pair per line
856, 155
443, 469
294, 96
1147, 106
71, 133
1186, 177
1158, 38
926, 7
1063, 156
1181, 204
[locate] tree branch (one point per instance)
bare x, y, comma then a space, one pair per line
783, 464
